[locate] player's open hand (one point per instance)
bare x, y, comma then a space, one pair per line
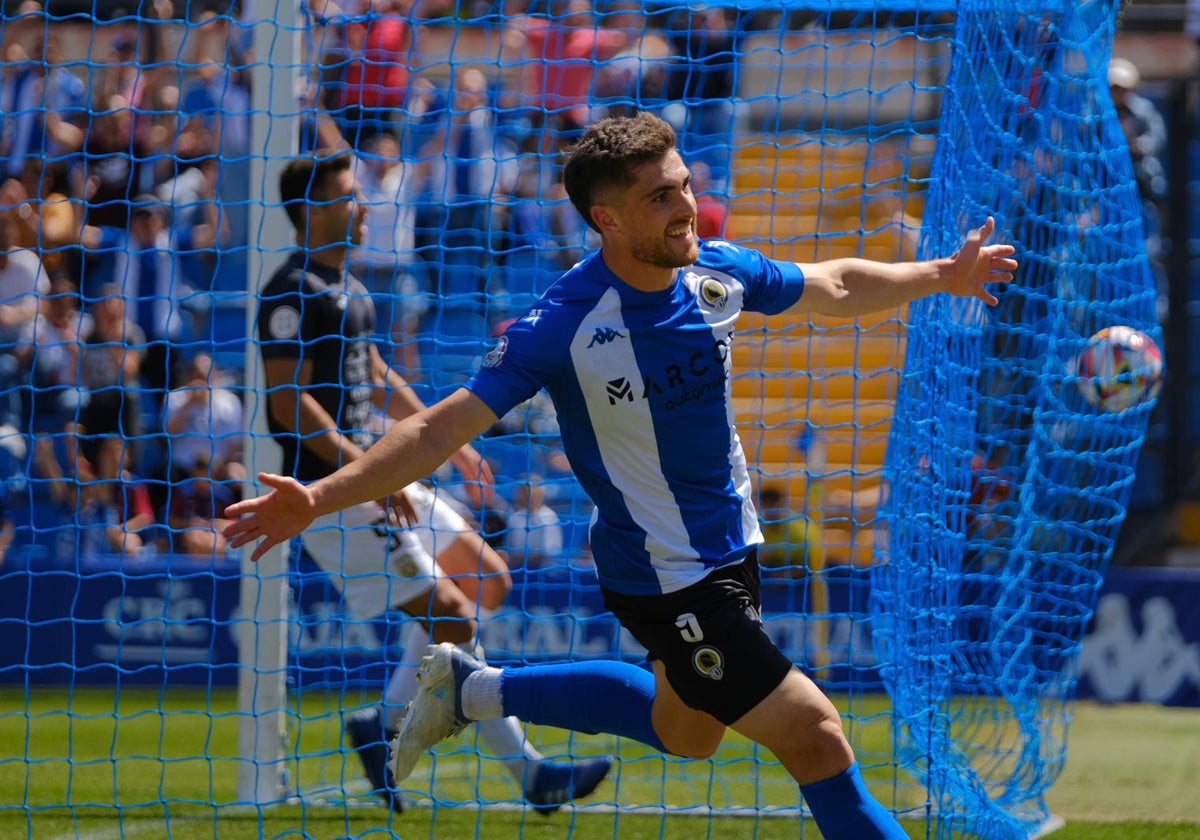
399, 510
272, 518
477, 475
977, 264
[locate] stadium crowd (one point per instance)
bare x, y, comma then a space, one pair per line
125, 223
124, 230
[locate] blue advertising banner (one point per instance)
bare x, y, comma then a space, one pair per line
1144, 641
173, 621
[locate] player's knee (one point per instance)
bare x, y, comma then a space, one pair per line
820, 745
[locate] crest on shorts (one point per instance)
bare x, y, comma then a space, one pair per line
709, 662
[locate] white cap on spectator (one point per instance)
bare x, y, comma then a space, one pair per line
1123, 73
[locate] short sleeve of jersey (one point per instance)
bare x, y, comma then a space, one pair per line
771, 286
280, 315
521, 362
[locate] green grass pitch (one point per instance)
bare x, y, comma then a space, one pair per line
1131, 775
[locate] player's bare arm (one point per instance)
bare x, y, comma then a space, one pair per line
301, 414
396, 397
846, 288
410, 450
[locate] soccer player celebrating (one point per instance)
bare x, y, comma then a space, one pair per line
324, 377
633, 345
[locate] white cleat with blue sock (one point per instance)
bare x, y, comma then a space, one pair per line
436, 713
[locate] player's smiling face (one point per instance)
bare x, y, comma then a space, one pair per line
658, 214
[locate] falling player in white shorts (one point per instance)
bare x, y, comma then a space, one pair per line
325, 379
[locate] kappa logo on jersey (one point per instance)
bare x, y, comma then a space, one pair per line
714, 293
284, 323
619, 389
496, 353
533, 316
709, 662
604, 335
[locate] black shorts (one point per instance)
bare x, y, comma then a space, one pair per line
710, 639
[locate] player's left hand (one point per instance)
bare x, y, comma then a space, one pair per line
476, 473
399, 509
273, 518
975, 265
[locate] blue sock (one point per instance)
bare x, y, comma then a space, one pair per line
845, 810
614, 698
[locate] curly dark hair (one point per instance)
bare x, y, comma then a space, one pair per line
608, 155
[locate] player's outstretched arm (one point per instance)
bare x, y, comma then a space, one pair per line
846, 288
409, 451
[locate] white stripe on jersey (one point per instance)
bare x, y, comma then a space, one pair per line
723, 330
627, 444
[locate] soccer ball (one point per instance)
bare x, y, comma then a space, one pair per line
1120, 368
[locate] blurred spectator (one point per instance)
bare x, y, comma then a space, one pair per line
216, 93
42, 104
197, 511
1144, 127
545, 233
111, 367
386, 261
560, 60
204, 421
37, 207
143, 262
22, 280
1146, 131
199, 222
49, 348
118, 162
375, 78
53, 485
136, 84
700, 87
468, 164
634, 79
219, 98
115, 513
535, 536
121, 75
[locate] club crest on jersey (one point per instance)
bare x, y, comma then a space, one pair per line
714, 293
496, 353
709, 662
284, 323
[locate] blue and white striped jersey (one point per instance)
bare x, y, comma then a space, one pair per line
641, 382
